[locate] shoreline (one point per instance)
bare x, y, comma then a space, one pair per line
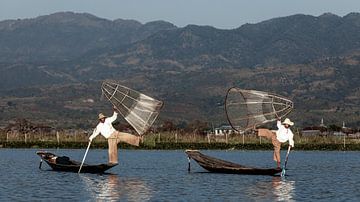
182, 146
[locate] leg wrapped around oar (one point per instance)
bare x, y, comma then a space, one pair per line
117, 137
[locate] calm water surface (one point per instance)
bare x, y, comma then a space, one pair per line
163, 176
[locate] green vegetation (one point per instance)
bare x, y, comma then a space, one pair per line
175, 140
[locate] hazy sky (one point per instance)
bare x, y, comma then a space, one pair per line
221, 14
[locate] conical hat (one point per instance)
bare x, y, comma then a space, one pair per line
288, 122
101, 116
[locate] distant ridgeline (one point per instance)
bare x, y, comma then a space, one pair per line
51, 67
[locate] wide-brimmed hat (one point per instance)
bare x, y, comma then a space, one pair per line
101, 116
288, 122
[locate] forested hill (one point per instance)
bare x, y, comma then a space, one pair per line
51, 66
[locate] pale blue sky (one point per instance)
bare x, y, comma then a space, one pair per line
221, 14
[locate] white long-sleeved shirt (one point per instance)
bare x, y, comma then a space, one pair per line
284, 134
106, 128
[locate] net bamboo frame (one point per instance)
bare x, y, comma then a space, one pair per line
139, 110
247, 109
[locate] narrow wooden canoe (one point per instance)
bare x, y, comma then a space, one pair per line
65, 164
220, 166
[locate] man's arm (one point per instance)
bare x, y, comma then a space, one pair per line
291, 139
95, 133
113, 117
278, 124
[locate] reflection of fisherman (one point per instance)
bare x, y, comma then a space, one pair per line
112, 188
276, 189
113, 136
283, 134
283, 189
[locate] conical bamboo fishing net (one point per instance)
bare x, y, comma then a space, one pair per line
139, 110
246, 109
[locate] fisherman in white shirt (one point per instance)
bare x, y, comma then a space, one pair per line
282, 135
106, 129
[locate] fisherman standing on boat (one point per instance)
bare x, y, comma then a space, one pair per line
283, 134
106, 129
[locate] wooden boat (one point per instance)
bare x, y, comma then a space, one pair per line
220, 166
63, 163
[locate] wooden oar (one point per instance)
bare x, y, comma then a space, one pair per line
286, 160
82, 163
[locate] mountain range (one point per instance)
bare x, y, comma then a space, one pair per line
51, 67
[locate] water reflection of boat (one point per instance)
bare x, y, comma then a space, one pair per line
220, 166
64, 163
111, 188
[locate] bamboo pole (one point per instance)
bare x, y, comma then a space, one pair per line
82, 162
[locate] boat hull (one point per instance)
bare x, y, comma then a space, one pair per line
220, 166
70, 165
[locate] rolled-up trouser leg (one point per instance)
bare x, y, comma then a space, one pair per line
127, 138
117, 137
265, 133
277, 147
271, 136
113, 150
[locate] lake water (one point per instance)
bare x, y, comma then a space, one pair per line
163, 176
